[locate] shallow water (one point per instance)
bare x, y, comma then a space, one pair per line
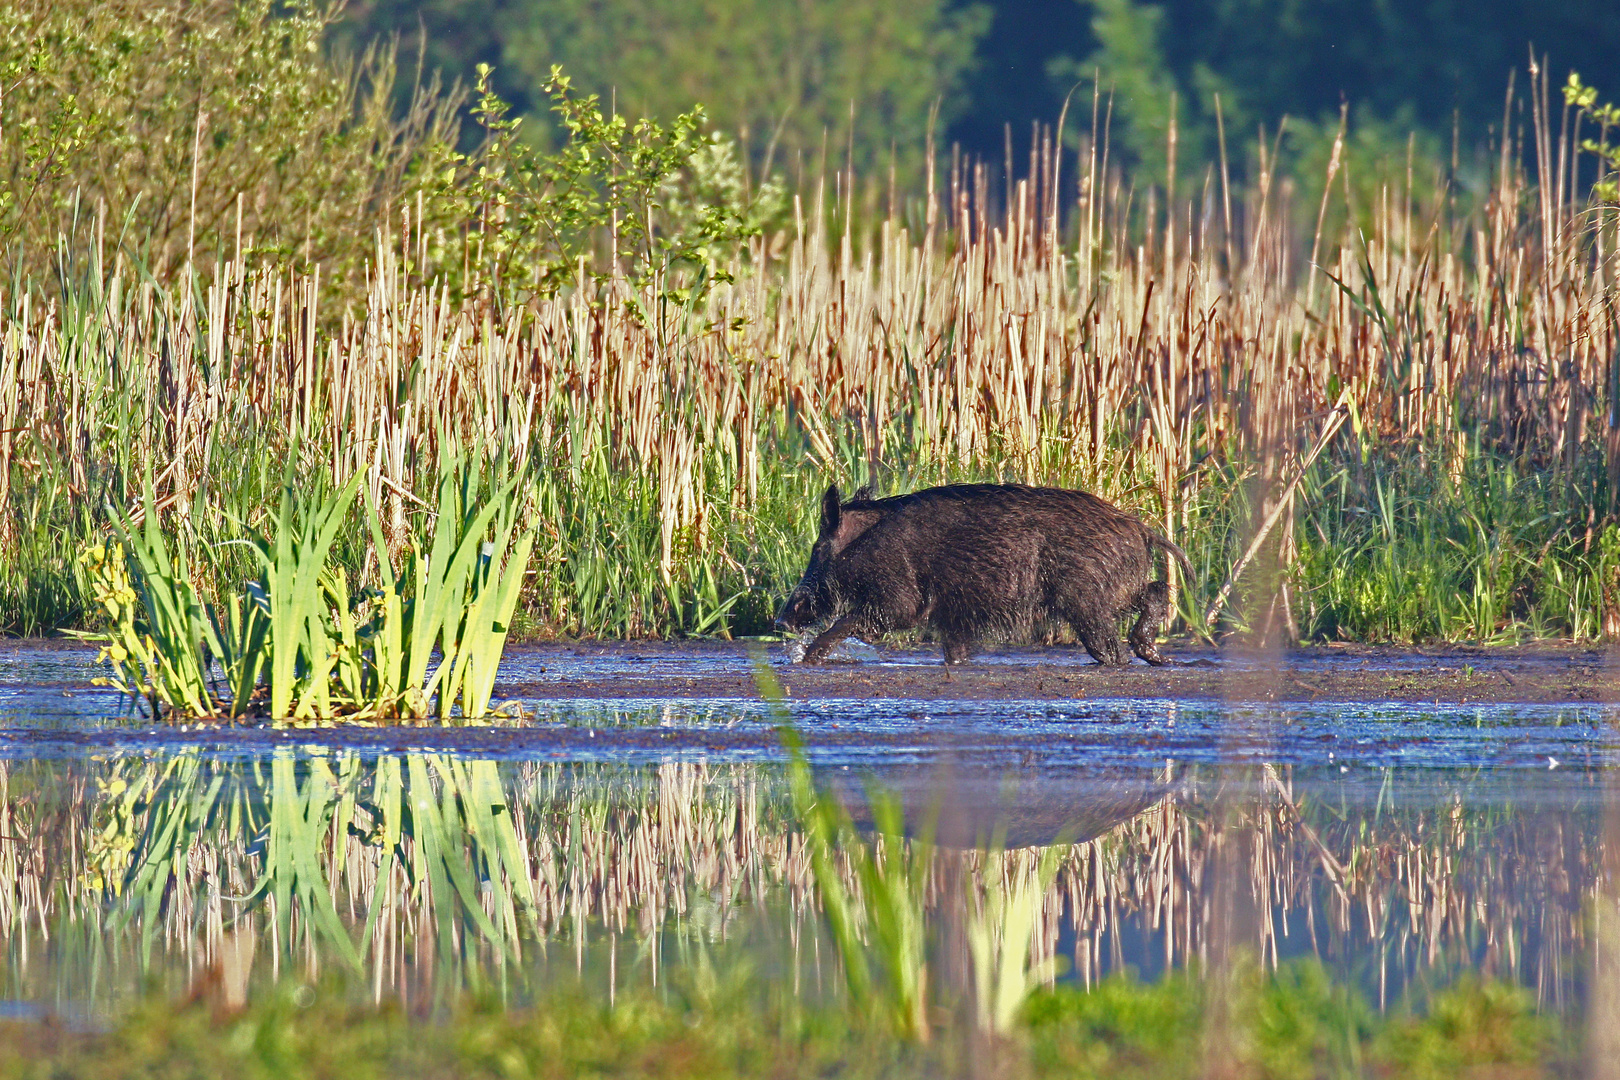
597, 840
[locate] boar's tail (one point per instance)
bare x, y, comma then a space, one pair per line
1157, 541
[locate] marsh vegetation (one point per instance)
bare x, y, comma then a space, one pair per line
681, 352
315, 387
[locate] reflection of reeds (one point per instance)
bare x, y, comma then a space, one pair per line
418, 865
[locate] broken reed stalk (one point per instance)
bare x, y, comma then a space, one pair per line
1340, 412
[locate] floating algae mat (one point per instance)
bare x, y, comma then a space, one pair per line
609, 846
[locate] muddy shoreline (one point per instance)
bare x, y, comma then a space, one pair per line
1541, 708
1542, 673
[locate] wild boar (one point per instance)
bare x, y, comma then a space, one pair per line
972, 560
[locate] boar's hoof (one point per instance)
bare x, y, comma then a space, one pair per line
1154, 606
816, 654
823, 645
1152, 655
1107, 652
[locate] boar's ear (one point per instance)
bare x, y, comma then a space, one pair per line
829, 511
852, 524
864, 493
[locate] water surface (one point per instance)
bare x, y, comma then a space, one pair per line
603, 841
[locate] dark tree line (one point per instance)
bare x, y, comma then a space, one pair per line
867, 77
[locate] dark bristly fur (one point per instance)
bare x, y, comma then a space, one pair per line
972, 560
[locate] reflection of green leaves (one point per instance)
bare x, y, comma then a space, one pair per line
434, 826
388, 826
497, 853
880, 932
300, 820
894, 876
447, 821
826, 824
1002, 932
178, 806
151, 818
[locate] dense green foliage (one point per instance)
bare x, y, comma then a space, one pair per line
660, 195
718, 1023
794, 80
1401, 548
201, 129
177, 135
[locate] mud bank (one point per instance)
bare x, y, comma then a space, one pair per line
1541, 673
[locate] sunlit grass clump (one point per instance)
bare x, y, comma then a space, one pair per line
295, 642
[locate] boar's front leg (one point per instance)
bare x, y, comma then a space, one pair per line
847, 626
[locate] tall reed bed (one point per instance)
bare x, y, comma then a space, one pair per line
1176, 353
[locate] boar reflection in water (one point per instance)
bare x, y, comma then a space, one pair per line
974, 560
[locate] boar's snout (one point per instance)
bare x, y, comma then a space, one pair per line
786, 623
795, 613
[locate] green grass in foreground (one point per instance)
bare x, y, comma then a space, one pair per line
1296, 1023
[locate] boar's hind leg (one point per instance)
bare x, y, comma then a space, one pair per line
1101, 641
848, 626
1154, 605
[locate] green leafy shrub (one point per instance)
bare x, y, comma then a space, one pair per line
198, 126
203, 130
1583, 98
599, 206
